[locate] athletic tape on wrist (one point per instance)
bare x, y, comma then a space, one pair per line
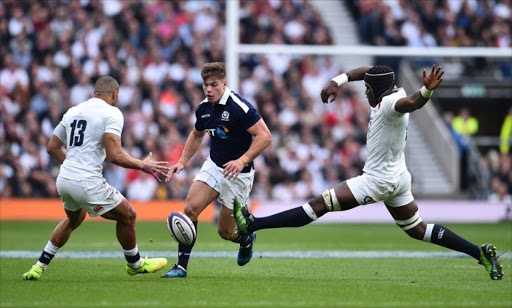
340, 79
183, 160
426, 93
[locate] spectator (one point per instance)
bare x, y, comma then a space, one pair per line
506, 133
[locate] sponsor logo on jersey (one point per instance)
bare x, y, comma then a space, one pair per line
205, 116
224, 116
221, 131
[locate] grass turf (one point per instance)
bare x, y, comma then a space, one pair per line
264, 282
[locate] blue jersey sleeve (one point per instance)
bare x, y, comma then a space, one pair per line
250, 118
199, 124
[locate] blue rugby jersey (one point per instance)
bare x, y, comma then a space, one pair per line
227, 125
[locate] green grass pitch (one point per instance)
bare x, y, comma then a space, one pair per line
264, 282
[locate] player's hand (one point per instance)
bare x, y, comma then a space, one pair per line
330, 89
433, 79
232, 169
155, 168
176, 168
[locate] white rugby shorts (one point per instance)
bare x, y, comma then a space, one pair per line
240, 188
96, 197
395, 192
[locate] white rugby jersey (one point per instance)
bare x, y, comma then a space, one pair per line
385, 142
81, 130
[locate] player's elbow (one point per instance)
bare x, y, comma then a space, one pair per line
267, 138
52, 148
113, 157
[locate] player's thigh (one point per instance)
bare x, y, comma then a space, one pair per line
345, 196
407, 217
239, 188
403, 212
199, 196
71, 193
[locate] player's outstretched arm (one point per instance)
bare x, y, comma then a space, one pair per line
118, 156
419, 98
331, 88
193, 143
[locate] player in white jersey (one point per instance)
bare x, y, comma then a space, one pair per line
385, 178
87, 134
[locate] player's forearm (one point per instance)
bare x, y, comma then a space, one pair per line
191, 147
352, 75
124, 160
259, 143
59, 154
415, 102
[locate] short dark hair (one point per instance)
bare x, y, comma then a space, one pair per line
106, 84
213, 69
380, 79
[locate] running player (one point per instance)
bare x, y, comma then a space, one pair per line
87, 134
238, 135
385, 178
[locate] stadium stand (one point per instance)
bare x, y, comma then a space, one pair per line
53, 52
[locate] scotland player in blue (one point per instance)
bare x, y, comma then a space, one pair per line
238, 135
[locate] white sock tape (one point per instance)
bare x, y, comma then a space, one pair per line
330, 200
428, 233
309, 210
408, 221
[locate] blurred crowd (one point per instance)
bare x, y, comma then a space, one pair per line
431, 23
53, 51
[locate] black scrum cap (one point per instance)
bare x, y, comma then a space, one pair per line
380, 79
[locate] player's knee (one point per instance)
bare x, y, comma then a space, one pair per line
330, 200
191, 212
225, 234
414, 226
132, 215
418, 232
75, 223
318, 205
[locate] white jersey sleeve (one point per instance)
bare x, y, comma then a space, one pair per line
115, 122
60, 132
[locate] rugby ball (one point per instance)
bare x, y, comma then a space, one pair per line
181, 228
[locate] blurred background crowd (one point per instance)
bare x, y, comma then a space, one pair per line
53, 51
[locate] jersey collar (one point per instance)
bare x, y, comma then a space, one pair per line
224, 98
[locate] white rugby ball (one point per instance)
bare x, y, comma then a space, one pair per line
181, 228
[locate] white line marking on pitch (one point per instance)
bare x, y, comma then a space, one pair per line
302, 254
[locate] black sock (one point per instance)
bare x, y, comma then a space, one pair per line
295, 217
184, 251
243, 240
442, 236
46, 257
132, 259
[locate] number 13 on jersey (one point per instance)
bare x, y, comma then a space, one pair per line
78, 138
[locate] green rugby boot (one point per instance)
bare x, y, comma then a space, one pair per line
242, 218
147, 266
34, 273
490, 261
